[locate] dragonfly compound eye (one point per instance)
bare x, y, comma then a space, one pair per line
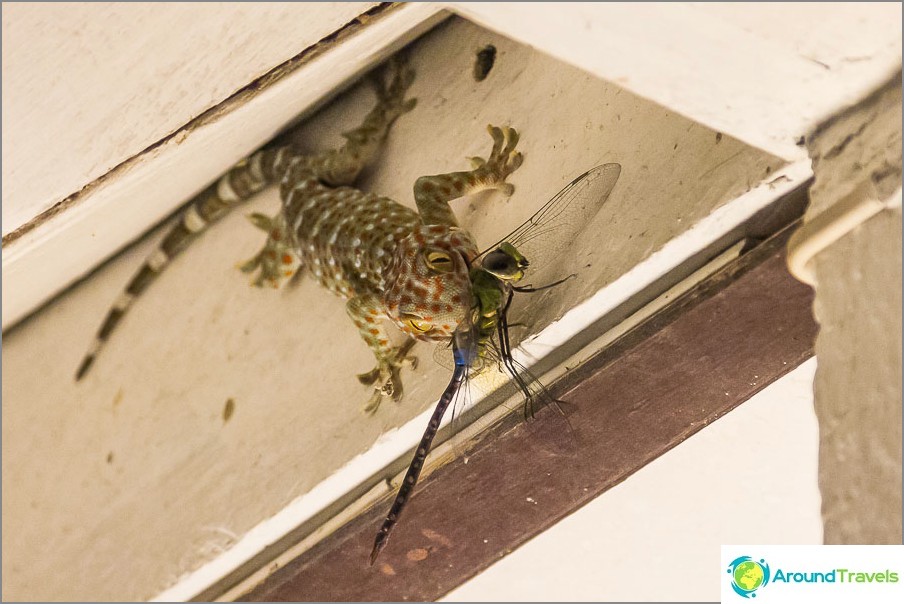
503, 265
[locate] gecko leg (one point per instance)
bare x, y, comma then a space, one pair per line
366, 314
363, 143
316, 174
278, 261
433, 193
342, 166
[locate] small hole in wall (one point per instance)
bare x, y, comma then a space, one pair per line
486, 58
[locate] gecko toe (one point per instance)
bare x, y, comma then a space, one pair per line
374, 403
370, 377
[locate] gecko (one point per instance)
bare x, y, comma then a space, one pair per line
388, 262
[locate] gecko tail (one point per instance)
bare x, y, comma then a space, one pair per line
140, 281
241, 182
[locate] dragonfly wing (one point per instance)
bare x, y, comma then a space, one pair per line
555, 226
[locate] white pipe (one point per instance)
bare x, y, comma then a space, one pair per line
831, 225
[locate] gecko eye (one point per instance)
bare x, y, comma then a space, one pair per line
418, 325
439, 261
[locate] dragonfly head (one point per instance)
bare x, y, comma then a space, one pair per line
429, 293
505, 262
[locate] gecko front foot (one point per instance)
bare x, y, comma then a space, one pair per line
503, 160
385, 376
277, 260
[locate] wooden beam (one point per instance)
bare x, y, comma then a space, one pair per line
680, 370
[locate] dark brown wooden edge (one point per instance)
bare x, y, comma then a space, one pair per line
651, 389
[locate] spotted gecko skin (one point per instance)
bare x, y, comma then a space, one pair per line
386, 260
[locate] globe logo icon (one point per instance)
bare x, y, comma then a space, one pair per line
748, 575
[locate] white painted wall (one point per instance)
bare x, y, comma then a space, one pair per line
89, 85
749, 477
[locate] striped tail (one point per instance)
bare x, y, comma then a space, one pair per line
241, 182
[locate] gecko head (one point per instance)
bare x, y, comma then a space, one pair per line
429, 293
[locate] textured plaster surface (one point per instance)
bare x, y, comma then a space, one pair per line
861, 144
136, 477
858, 384
858, 306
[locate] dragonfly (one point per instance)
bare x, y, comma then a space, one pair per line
496, 275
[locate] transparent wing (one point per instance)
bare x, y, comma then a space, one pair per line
546, 416
554, 227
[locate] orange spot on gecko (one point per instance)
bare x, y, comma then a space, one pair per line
383, 342
417, 554
288, 273
275, 235
287, 259
436, 309
374, 332
436, 537
373, 311
387, 570
446, 327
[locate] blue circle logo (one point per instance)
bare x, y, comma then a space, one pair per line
748, 575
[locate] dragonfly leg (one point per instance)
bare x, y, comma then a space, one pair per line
433, 193
366, 313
